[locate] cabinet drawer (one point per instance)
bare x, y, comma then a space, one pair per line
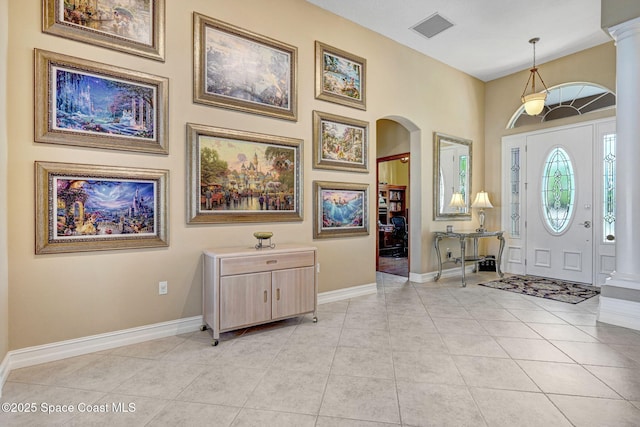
265, 262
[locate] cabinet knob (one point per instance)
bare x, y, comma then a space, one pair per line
278, 294
265, 296
272, 261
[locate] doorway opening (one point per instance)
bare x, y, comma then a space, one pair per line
392, 243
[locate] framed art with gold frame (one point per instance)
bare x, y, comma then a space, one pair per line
240, 70
340, 143
95, 208
238, 176
340, 76
340, 209
137, 29
90, 104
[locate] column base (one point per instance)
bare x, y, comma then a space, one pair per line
620, 301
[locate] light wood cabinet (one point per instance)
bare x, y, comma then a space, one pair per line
244, 287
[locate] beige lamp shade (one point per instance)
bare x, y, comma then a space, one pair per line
457, 201
534, 103
482, 201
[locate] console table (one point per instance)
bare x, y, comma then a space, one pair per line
462, 236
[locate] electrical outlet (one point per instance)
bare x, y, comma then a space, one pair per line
449, 254
163, 288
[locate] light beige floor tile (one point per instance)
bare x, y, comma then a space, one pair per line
121, 411
449, 312
564, 378
417, 340
631, 351
344, 422
529, 349
517, 329
483, 313
163, 379
581, 319
473, 345
537, 316
367, 320
363, 362
588, 353
561, 332
369, 338
249, 354
254, 417
519, 304
406, 308
39, 395
231, 386
407, 321
613, 335
52, 372
194, 414
589, 411
369, 399
106, 373
328, 319
315, 335
334, 307
458, 326
423, 404
305, 358
288, 391
625, 381
154, 349
196, 351
493, 373
507, 408
417, 366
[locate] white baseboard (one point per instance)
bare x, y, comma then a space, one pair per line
619, 312
430, 277
4, 372
346, 293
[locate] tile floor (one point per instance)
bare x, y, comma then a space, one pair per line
432, 354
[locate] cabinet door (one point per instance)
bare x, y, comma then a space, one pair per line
293, 292
245, 299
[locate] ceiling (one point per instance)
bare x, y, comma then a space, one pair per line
489, 38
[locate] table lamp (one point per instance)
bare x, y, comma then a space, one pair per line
457, 201
481, 202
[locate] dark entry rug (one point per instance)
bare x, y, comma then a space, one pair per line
542, 287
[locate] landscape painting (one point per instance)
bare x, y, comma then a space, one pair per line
132, 26
80, 102
340, 76
97, 209
242, 176
237, 69
340, 208
339, 143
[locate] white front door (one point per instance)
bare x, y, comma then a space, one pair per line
559, 203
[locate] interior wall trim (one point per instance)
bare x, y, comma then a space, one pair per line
449, 272
619, 312
346, 293
36, 355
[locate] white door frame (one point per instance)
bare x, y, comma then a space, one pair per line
514, 200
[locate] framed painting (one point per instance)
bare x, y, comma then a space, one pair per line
340, 209
237, 176
89, 104
340, 143
132, 26
240, 70
340, 77
94, 208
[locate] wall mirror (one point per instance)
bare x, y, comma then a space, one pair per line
451, 178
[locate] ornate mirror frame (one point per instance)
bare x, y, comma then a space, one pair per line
452, 160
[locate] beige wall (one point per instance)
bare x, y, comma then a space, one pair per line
59, 297
4, 273
595, 65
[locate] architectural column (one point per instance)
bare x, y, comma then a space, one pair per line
620, 297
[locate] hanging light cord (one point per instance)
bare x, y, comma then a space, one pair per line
534, 71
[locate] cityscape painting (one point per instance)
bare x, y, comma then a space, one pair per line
243, 176
85, 207
340, 209
79, 102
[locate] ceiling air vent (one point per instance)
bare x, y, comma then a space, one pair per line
435, 24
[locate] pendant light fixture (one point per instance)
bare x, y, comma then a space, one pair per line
534, 102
